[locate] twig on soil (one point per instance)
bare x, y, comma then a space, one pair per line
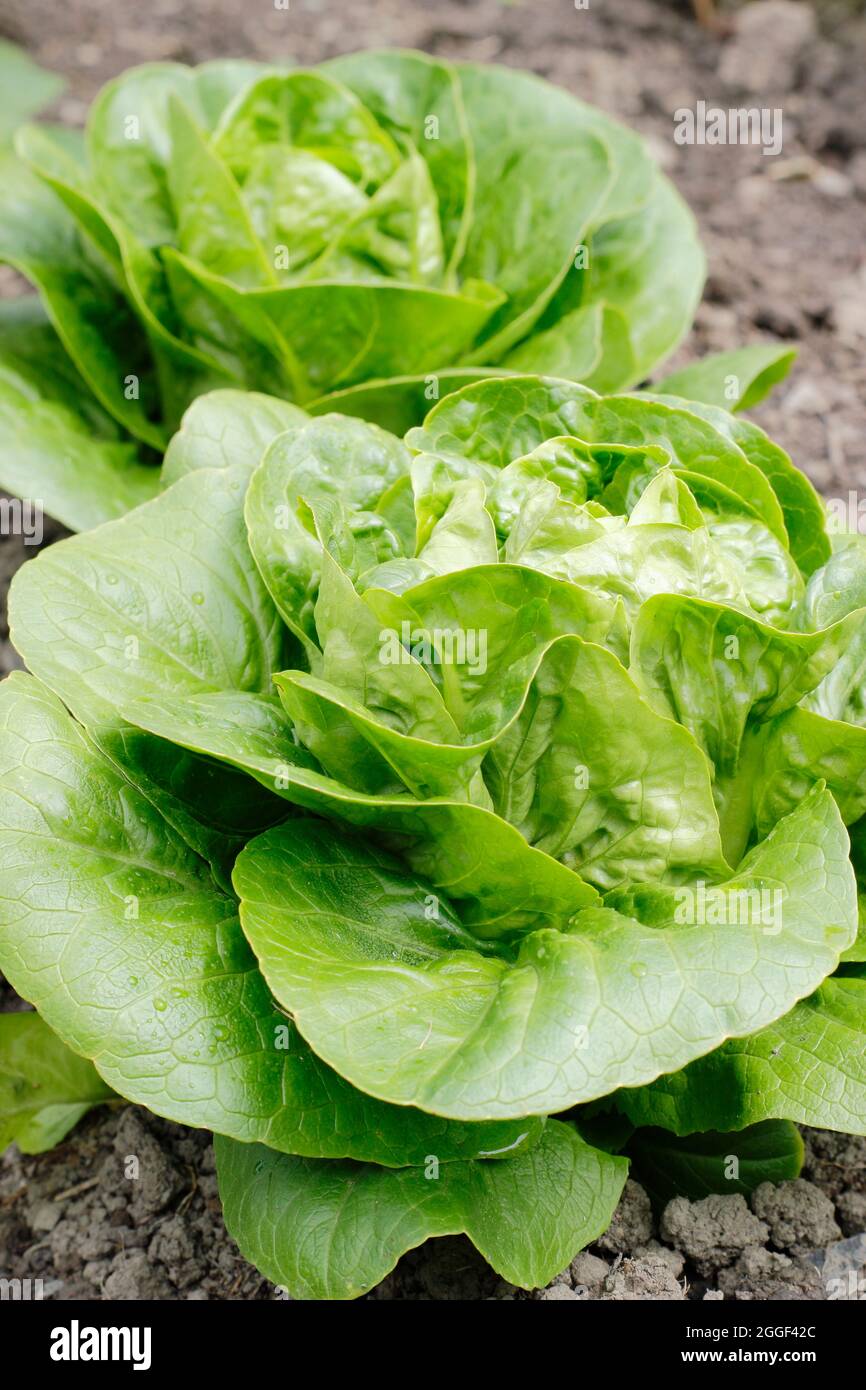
76, 1190
187, 1198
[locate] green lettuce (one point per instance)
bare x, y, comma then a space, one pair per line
364, 235
431, 818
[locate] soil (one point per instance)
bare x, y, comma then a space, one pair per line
784, 237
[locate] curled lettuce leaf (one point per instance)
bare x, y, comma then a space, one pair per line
333, 1230
114, 928
399, 1004
808, 1066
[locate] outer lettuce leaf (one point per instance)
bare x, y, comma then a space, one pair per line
167, 598
114, 928
182, 369
527, 224
337, 933
695, 1167
809, 1066
857, 951
44, 1088
26, 88
648, 272
333, 1230
40, 239
735, 380
59, 446
503, 885
227, 429
572, 346
33, 361
214, 808
52, 457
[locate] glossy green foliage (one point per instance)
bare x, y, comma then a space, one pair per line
333, 1230
700, 1164
375, 802
363, 230
44, 1088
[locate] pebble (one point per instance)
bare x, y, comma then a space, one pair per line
44, 1216
770, 41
